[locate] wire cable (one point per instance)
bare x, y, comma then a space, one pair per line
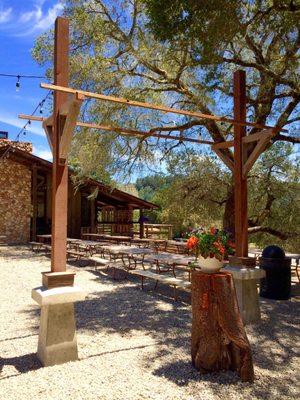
16, 139
23, 76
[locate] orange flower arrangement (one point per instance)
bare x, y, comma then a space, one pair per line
219, 247
210, 243
192, 242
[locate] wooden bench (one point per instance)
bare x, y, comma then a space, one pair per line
97, 260
167, 280
76, 254
40, 246
36, 246
46, 247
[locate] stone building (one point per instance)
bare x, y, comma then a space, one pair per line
25, 199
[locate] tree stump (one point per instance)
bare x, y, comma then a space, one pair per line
219, 340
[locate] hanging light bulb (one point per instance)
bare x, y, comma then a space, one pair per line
41, 107
18, 84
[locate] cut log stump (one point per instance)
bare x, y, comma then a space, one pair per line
219, 340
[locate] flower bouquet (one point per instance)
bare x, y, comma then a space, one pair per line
210, 248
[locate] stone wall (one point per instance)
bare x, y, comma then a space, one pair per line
25, 146
15, 201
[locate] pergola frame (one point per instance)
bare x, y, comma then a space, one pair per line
59, 128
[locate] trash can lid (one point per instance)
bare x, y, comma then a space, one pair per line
273, 252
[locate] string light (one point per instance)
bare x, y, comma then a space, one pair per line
23, 129
23, 76
41, 106
18, 84
19, 76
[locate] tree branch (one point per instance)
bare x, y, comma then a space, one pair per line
290, 139
274, 232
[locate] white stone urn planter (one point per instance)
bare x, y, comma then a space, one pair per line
209, 265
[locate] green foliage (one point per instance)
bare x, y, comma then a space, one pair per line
91, 157
199, 188
199, 21
129, 188
149, 185
114, 51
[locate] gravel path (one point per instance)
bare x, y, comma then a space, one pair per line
132, 344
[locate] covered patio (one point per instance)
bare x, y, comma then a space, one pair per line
92, 205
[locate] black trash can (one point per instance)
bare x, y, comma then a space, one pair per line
277, 283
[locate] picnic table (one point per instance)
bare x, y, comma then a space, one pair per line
136, 255
88, 246
43, 238
108, 237
2, 239
180, 246
166, 262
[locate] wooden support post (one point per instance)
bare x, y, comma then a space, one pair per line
34, 202
240, 182
142, 233
60, 172
93, 214
48, 197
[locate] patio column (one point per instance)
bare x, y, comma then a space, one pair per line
34, 201
142, 233
60, 169
93, 215
57, 334
240, 182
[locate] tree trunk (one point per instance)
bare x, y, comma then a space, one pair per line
219, 340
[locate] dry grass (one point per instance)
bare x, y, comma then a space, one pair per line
132, 344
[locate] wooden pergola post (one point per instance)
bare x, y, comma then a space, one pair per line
34, 202
60, 170
93, 215
142, 229
240, 181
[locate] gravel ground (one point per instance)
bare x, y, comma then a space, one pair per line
133, 344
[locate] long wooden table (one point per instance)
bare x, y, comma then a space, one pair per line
99, 236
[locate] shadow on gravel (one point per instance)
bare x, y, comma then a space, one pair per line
182, 372
23, 364
125, 308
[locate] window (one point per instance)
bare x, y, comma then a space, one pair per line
3, 135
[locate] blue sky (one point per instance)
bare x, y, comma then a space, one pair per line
21, 21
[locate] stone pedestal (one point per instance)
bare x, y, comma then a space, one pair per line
245, 281
57, 335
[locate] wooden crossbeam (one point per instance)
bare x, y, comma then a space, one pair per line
47, 125
125, 131
222, 145
246, 139
261, 145
259, 135
71, 111
153, 106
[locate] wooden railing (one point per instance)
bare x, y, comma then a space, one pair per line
158, 231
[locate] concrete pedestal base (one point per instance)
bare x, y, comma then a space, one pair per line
245, 281
57, 335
